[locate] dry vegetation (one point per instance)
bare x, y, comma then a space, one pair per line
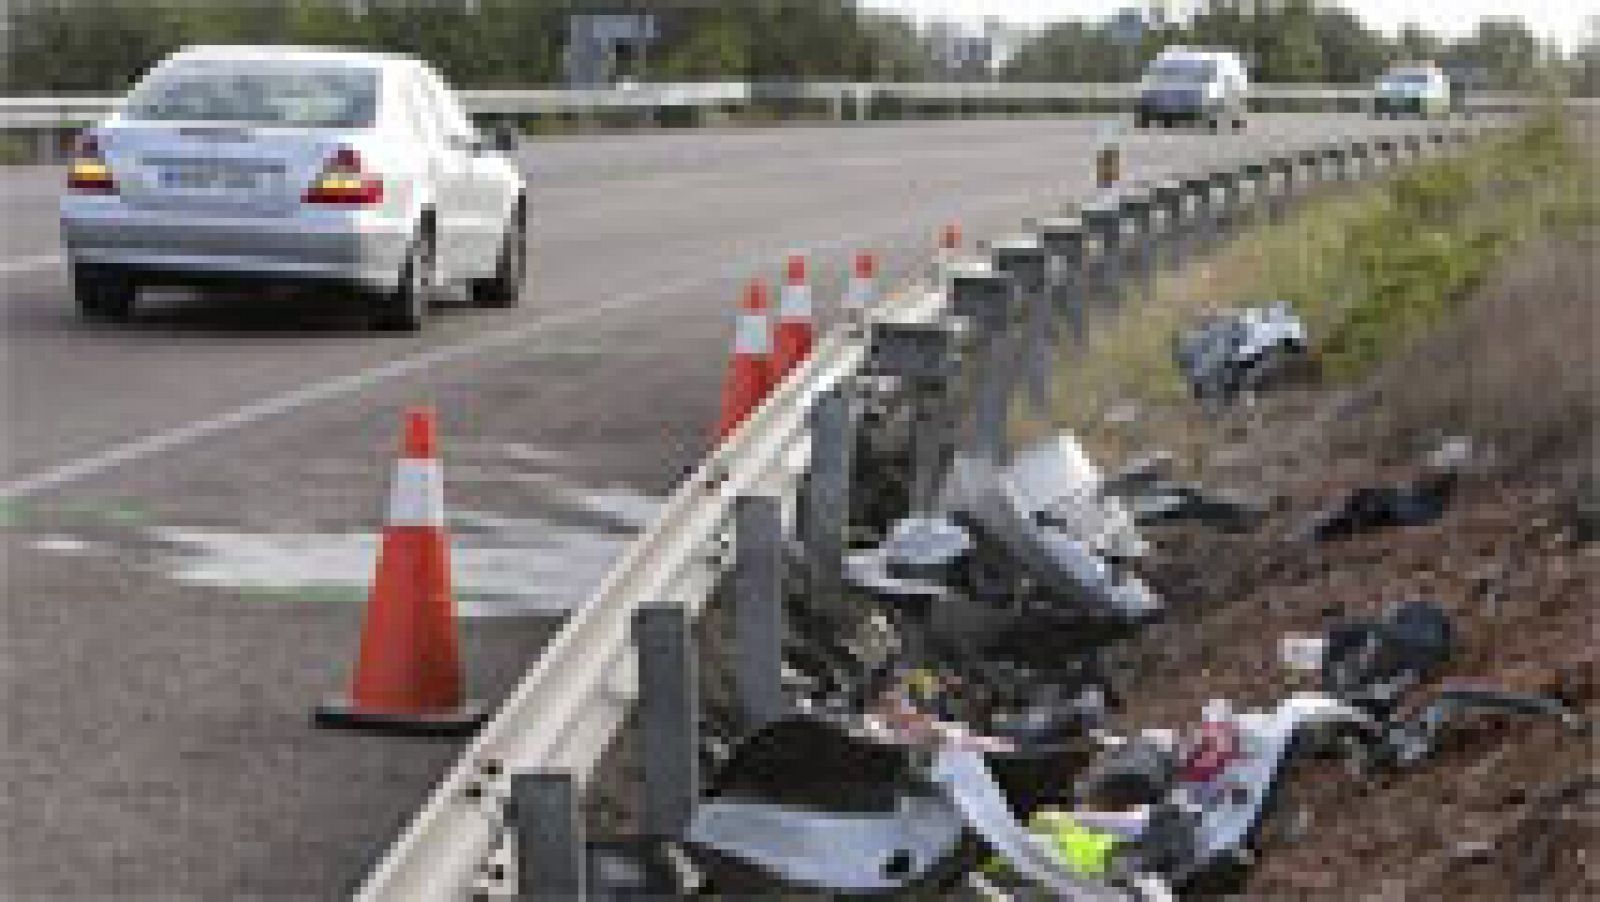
1509, 359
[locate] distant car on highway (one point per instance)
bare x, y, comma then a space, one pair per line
1412, 90
281, 165
1183, 84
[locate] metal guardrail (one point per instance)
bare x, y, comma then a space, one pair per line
569, 706
73, 112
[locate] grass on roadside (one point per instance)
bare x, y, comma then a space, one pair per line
1369, 270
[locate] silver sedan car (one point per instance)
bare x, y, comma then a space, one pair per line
267, 164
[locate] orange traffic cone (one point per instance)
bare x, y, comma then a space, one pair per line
949, 248
862, 293
750, 374
792, 337
408, 674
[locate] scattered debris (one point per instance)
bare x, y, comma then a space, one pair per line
1414, 503
1153, 497
1237, 351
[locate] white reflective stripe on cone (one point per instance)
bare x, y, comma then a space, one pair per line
752, 335
416, 497
794, 302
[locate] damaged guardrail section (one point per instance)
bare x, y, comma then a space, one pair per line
869, 518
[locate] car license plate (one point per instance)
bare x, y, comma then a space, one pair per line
218, 180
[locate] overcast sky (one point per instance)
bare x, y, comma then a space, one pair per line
1562, 19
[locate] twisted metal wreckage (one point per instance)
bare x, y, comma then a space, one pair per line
951, 694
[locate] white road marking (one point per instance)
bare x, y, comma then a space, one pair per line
28, 264
147, 446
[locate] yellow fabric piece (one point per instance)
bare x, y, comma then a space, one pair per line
1084, 851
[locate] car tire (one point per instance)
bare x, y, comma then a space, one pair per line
1214, 125
103, 295
405, 308
1141, 120
511, 266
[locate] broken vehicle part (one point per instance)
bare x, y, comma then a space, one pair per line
1232, 352
806, 805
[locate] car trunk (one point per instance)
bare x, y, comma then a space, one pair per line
234, 170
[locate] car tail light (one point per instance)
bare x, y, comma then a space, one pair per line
87, 172
344, 181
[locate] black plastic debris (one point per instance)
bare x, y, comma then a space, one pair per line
1371, 508
1229, 353
1370, 662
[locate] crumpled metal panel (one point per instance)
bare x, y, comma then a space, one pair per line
832, 851
1048, 511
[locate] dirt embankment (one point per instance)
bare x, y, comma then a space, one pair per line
1497, 814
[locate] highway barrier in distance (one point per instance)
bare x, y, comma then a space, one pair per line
503, 820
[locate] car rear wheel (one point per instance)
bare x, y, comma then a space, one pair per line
103, 295
505, 289
406, 308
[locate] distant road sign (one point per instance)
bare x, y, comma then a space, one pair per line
1128, 26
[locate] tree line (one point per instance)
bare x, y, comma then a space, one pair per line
100, 46
104, 45
1298, 41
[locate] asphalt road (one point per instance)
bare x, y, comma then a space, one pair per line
189, 498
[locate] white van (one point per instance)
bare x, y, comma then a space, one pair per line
1194, 85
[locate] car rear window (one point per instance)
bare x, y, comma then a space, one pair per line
1182, 70
259, 92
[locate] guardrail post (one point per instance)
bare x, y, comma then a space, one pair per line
1226, 210
1023, 258
1278, 194
827, 509
758, 608
1340, 161
1167, 198
1360, 158
1254, 174
552, 858
1136, 210
1311, 159
668, 719
1104, 221
1197, 231
1414, 146
924, 355
985, 297
1389, 150
1064, 239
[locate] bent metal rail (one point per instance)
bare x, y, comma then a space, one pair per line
568, 707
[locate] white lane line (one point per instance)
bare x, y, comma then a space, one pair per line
28, 264
141, 448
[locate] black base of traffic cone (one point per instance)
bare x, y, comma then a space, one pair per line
342, 714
